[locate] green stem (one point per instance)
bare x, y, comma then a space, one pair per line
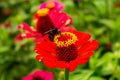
66, 74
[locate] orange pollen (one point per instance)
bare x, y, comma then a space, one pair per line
43, 12
65, 39
50, 5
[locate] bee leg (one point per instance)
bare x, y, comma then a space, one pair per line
51, 37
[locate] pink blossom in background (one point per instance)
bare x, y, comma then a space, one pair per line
39, 75
53, 19
29, 32
52, 4
45, 21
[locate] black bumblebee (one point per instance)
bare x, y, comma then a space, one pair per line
52, 32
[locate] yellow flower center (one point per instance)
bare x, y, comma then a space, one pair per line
43, 12
65, 39
50, 5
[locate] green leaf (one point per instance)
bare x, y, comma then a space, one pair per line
99, 6
96, 78
108, 23
83, 76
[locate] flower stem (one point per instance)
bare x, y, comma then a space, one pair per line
66, 74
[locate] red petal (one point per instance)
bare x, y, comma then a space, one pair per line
89, 46
86, 55
18, 38
50, 64
45, 46
25, 27
62, 64
73, 65
38, 57
60, 19
67, 28
81, 61
82, 38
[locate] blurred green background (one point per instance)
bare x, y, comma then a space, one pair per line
101, 18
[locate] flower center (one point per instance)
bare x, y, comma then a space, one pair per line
44, 23
43, 12
67, 53
50, 5
66, 49
37, 78
65, 39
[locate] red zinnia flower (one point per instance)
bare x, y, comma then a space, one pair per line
67, 51
39, 75
45, 21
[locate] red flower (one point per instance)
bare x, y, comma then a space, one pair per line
45, 21
67, 51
